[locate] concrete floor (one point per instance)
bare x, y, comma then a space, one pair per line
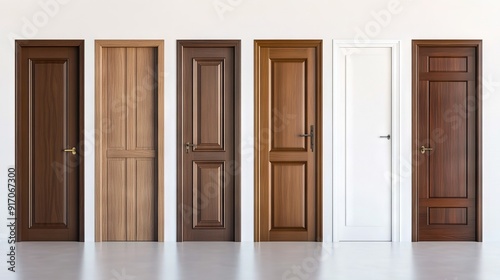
203, 260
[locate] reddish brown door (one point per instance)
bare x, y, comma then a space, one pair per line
49, 139
208, 126
288, 131
446, 140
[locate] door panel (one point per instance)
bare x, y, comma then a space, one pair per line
365, 197
288, 100
49, 119
289, 196
288, 131
208, 130
447, 125
128, 87
447, 169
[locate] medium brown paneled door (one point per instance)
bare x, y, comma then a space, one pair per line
49, 140
208, 133
288, 140
447, 140
129, 147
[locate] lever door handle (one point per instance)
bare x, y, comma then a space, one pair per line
388, 136
424, 149
72, 150
311, 135
187, 145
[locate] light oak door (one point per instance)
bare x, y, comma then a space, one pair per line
447, 140
208, 132
128, 151
288, 140
49, 140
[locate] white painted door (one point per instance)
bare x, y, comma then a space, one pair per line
365, 193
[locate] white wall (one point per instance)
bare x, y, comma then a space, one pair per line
248, 20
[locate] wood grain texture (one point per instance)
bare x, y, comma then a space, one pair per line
49, 119
447, 167
289, 105
208, 194
208, 101
289, 196
208, 177
447, 117
129, 119
287, 102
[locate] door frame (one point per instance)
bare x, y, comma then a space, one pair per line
339, 126
81, 116
298, 43
99, 45
236, 44
477, 44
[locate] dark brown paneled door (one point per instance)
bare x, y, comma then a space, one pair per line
446, 140
207, 126
288, 130
49, 138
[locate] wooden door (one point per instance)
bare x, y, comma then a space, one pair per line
208, 127
129, 150
49, 120
447, 140
364, 192
288, 140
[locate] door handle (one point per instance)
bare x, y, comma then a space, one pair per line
72, 150
187, 145
424, 149
311, 136
388, 136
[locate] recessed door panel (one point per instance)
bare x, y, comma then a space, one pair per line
289, 104
208, 194
208, 102
289, 196
208, 131
49, 123
447, 168
288, 140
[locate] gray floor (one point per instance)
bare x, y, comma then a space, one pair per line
128, 261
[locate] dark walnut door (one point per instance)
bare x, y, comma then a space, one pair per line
207, 150
49, 134
446, 145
